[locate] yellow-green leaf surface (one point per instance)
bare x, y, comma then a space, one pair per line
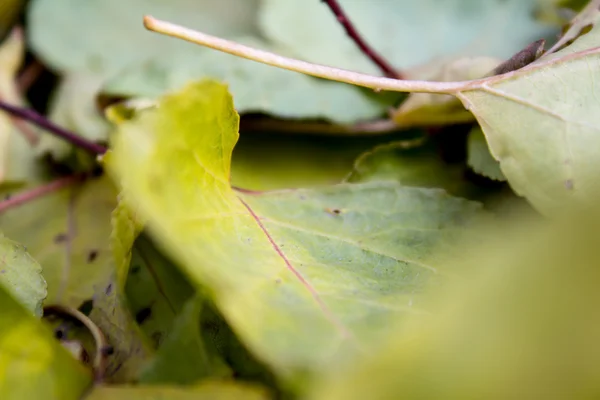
541, 123
479, 157
33, 364
67, 232
21, 276
303, 276
205, 391
520, 323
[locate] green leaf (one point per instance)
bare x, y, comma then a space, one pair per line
67, 232
161, 64
208, 391
542, 134
184, 358
322, 269
409, 33
413, 163
33, 365
516, 324
132, 349
21, 276
480, 159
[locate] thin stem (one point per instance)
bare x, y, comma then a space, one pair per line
321, 71
353, 33
40, 191
42, 122
376, 127
101, 344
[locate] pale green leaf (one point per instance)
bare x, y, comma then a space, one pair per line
205, 391
160, 64
408, 33
320, 269
542, 126
67, 232
479, 157
520, 322
21, 276
33, 365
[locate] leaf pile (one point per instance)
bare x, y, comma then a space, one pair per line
200, 225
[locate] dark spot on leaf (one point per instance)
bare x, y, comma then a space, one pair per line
569, 184
97, 171
7, 196
92, 256
277, 280
334, 211
108, 289
108, 350
135, 269
143, 315
59, 333
86, 307
3, 271
60, 238
157, 338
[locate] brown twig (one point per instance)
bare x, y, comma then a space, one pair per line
353, 33
39, 191
42, 122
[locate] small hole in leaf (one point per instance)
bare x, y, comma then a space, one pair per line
108, 350
108, 289
60, 238
59, 333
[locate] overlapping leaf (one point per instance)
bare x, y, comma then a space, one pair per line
67, 232
303, 276
21, 276
540, 123
409, 33
143, 64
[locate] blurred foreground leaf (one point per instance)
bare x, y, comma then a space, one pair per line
205, 391
33, 365
520, 322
